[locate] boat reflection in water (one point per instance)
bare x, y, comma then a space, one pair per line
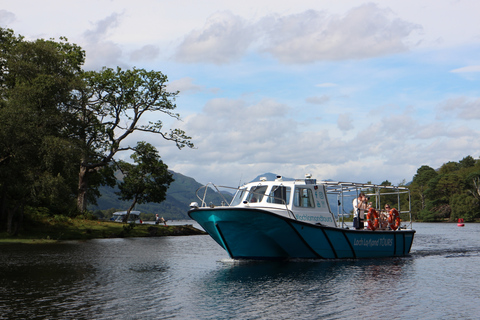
294, 220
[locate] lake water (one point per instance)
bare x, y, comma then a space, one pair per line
191, 277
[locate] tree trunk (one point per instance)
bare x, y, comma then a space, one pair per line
14, 220
130, 210
82, 189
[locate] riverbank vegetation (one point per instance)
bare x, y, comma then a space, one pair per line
447, 193
43, 227
63, 129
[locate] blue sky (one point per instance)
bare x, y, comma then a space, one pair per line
345, 90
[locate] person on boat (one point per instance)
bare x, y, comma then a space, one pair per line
359, 207
372, 218
384, 217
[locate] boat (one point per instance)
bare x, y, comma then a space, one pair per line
283, 220
460, 223
119, 216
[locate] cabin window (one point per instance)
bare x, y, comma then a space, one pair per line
256, 194
238, 197
303, 198
279, 195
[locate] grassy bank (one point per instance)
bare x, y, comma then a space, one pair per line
83, 229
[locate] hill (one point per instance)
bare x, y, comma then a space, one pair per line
270, 177
179, 196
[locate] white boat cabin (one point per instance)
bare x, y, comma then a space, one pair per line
304, 199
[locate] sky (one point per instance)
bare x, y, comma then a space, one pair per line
344, 90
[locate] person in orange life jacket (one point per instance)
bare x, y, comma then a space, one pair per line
384, 217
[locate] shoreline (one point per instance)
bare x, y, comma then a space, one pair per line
91, 229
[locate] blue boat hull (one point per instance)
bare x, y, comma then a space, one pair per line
259, 234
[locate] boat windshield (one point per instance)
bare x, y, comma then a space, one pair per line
279, 195
303, 198
256, 194
238, 197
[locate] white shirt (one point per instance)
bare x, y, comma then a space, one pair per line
361, 212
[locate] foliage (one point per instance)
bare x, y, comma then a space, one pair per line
37, 152
449, 194
419, 187
61, 127
112, 105
127, 229
145, 181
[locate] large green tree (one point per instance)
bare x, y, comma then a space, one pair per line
147, 180
113, 106
419, 187
36, 150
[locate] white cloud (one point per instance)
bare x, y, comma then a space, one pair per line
318, 99
184, 85
345, 122
466, 69
6, 18
148, 52
223, 38
461, 107
364, 32
240, 138
260, 137
100, 51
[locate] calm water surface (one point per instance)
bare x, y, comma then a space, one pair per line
193, 278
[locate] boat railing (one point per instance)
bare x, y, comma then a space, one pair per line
204, 196
225, 202
347, 191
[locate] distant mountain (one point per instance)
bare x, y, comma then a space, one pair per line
179, 196
270, 177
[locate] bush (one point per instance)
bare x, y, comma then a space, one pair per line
58, 218
87, 216
464, 206
35, 216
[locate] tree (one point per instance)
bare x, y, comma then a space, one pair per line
467, 162
36, 153
145, 181
464, 206
112, 105
473, 182
449, 167
420, 182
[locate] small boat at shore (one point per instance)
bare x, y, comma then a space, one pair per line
460, 223
294, 220
119, 216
